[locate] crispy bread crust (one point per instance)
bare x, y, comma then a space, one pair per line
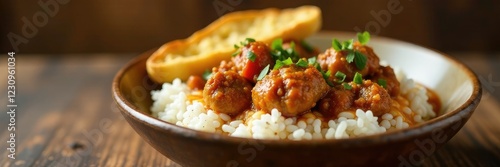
207, 47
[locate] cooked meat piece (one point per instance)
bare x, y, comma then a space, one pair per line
336, 101
227, 92
366, 96
387, 74
224, 66
336, 61
372, 96
253, 57
195, 82
291, 89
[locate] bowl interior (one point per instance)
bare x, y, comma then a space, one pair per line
135, 85
452, 81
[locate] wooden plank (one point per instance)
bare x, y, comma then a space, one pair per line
31, 109
109, 141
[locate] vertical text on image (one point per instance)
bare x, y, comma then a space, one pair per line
11, 105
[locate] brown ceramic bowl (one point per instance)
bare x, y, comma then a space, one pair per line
457, 86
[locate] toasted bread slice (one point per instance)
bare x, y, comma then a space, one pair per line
207, 47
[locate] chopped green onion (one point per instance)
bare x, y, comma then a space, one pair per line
236, 46
350, 57
382, 82
326, 76
318, 67
340, 75
364, 37
359, 60
302, 63
251, 56
329, 83
336, 45
358, 78
307, 46
206, 74
263, 73
347, 86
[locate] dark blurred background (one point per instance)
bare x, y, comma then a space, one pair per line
133, 26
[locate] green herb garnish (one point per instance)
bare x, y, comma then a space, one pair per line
336, 45
277, 44
347, 45
263, 73
247, 41
347, 86
242, 44
288, 61
292, 53
302, 63
363, 37
279, 53
359, 60
326, 76
236, 53
281, 63
340, 76
251, 56
207, 74
350, 57
358, 78
382, 82
355, 56
312, 60
278, 64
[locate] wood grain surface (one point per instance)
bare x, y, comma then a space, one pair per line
66, 116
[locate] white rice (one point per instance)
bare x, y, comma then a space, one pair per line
171, 105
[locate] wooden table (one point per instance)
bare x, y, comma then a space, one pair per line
65, 116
